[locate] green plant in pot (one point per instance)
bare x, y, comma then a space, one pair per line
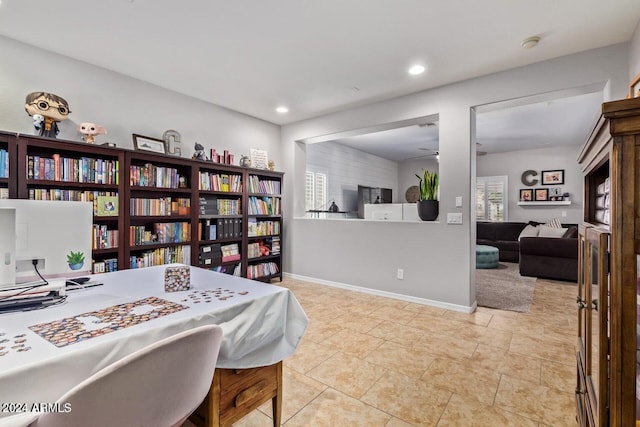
428, 206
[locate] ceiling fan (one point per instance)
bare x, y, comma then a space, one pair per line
431, 153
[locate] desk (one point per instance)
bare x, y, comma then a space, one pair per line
262, 325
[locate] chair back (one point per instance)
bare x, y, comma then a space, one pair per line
157, 386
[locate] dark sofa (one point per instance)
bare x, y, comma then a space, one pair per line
545, 257
501, 235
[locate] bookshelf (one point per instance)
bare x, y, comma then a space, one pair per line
264, 225
50, 169
157, 212
147, 206
7, 164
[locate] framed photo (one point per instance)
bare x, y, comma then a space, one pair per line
634, 87
526, 195
107, 206
145, 143
542, 194
554, 177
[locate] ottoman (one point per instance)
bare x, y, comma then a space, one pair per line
487, 256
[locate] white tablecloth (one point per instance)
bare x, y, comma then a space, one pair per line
262, 325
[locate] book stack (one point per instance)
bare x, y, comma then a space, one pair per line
253, 250
275, 245
210, 255
4, 193
262, 270
230, 252
224, 158
4, 163
105, 265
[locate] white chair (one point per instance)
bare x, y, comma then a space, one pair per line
157, 386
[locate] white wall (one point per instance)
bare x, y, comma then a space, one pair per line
634, 53
514, 163
122, 104
437, 258
346, 168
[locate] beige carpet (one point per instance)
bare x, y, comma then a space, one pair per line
504, 288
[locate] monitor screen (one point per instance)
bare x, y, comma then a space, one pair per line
57, 234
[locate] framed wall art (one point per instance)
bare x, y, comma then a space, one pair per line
541, 194
526, 195
554, 177
146, 143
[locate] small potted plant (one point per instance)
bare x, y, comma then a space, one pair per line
75, 260
428, 206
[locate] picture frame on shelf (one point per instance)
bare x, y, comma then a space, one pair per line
555, 193
259, 159
146, 143
541, 194
634, 87
526, 195
553, 177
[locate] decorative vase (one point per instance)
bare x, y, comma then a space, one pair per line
428, 209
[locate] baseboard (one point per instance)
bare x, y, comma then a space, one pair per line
408, 298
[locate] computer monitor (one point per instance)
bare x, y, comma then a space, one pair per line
56, 234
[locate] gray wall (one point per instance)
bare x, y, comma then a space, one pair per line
122, 104
514, 163
437, 258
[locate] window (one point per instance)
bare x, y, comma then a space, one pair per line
491, 198
315, 190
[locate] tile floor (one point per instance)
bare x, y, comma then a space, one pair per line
374, 361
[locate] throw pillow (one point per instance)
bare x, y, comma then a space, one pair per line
551, 232
572, 233
529, 231
554, 223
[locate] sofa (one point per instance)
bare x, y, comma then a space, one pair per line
545, 257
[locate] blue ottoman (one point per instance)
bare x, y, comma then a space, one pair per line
487, 256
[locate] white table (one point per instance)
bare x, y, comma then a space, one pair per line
262, 325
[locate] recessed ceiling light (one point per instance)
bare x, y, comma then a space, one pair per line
282, 110
530, 42
416, 69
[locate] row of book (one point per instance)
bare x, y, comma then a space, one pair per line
210, 181
150, 175
67, 169
104, 238
220, 228
4, 163
263, 186
257, 228
70, 195
4, 193
264, 247
210, 205
262, 270
225, 158
163, 232
234, 270
161, 256
164, 206
105, 266
264, 206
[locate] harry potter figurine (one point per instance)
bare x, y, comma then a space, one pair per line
47, 110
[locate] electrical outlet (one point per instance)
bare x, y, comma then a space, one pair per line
400, 274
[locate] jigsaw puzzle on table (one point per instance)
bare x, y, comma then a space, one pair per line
16, 343
208, 295
95, 323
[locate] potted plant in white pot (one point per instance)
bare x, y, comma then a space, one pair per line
428, 206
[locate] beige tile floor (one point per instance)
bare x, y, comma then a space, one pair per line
374, 361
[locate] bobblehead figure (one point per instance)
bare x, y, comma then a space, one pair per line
47, 110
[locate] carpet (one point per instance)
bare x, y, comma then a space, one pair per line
503, 288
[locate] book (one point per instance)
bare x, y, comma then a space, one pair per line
107, 206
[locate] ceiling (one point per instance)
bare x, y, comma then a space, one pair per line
315, 57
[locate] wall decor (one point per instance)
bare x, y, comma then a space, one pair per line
541, 194
526, 195
259, 159
555, 193
527, 179
553, 177
146, 143
172, 135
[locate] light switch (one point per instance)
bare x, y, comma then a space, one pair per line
454, 218
458, 201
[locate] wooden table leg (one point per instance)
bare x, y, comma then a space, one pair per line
276, 401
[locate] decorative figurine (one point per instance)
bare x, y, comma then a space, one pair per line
199, 153
90, 130
47, 110
245, 161
271, 164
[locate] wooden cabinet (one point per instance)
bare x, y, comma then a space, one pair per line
608, 354
161, 200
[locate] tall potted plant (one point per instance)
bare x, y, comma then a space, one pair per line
428, 206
